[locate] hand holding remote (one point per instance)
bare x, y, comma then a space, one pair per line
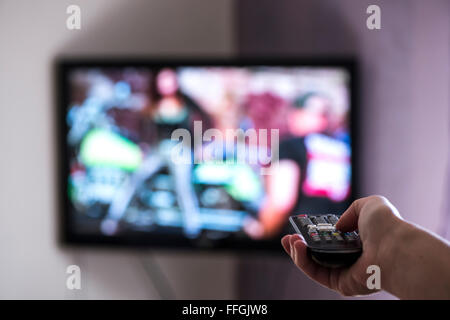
376, 219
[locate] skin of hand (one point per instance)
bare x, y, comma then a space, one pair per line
376, 220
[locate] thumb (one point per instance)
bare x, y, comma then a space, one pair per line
349, 219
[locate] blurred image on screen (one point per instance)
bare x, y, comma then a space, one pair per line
122, 180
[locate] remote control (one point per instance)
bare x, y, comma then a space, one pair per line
326, 245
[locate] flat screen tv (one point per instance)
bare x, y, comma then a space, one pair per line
201, 153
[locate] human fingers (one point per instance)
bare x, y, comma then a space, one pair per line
325, 276
286, 244
349, 219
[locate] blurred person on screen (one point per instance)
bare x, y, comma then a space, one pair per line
313, 172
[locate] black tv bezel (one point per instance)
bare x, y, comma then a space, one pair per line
62, 67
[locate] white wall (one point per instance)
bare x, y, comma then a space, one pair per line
32, 33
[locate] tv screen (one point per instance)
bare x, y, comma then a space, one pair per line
201, 154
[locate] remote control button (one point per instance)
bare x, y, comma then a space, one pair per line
333, 219
320, 219
305, 221
314, 235
325, 227
338, 237
350, 236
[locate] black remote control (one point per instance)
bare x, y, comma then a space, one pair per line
326, 245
